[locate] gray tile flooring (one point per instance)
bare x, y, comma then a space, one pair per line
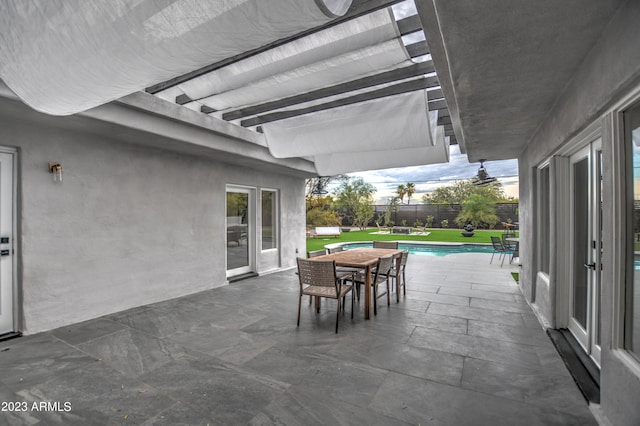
462, 348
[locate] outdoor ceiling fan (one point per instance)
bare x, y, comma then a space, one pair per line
482, 178
320, 186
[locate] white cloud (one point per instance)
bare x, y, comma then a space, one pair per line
427, 178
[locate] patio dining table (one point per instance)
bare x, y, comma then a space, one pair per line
363, 258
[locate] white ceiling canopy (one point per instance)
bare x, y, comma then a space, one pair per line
66, 56
360, 33
344, 82
393, 131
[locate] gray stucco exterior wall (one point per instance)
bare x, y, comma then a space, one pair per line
128, 225
610, 72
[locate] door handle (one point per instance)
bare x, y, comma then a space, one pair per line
590, 266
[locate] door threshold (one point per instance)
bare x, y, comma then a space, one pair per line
584, 371
9, 336
241, 277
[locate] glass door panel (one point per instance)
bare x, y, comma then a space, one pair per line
580, 172
586, 247
238, 231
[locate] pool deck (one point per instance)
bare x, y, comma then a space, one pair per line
462, 348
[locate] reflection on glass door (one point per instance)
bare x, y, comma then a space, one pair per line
238, 231
586, 247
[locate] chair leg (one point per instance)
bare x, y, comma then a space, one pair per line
375, 300
492, 254
404, 284
388, 295
310, 300
299, 304
338, 315
352, 297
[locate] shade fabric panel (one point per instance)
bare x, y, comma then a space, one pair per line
339, 163
401, 121
365, 31
109, 49
349, 66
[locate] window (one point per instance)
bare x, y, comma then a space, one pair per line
632, 292
544, 228
269, 220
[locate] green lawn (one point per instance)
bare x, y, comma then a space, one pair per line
436, 235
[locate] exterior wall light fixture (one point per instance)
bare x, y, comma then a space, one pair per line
56, 170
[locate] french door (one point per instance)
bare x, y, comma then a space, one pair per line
586, 247
7, 262
240, 242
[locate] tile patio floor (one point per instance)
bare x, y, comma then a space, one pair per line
462, 348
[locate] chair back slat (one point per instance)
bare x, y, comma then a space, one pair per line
405, 256
384, 265
316, 253
386, 244
497, 243
336, 249
320, 273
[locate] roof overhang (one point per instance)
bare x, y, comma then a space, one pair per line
503, 65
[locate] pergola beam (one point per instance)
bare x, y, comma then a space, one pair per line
404, 87
420, 48
358, 84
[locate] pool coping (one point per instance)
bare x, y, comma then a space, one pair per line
409, 242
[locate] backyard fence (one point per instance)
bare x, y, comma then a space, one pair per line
410, 213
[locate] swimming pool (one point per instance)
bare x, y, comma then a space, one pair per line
430, 249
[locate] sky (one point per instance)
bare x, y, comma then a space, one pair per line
427, 178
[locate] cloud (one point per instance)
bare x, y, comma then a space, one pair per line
428, 178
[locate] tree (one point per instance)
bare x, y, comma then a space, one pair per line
355, 197
410, 188
478, 210
460, 191
401, 191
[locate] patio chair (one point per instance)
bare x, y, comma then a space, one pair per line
311, 254
319, 278
516, 252
346, 269
315, 253
498, 247
505, 242
386, 244
379, 275
393, 274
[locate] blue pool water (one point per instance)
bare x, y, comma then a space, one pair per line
433, 249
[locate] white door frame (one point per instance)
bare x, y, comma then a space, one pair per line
9, 314
251, 220
587, 336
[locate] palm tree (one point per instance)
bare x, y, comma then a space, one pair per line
410, 188
401, 191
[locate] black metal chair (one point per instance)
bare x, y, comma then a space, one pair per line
498, 247
318, 278
505, 240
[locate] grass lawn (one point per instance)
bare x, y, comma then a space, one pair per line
436, 235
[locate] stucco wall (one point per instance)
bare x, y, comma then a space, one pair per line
610, 72
129, 225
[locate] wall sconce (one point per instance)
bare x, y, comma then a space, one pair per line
56, 170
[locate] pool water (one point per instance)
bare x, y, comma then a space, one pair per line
433, 249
